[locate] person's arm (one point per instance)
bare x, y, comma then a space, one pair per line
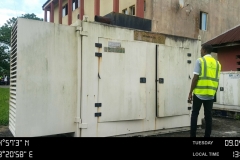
197, 72
193, 85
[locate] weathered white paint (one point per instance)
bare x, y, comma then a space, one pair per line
58, 83
100, 127
120, 73
229, 99
46, 79
173, 67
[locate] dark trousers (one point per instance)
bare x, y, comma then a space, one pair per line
208, 105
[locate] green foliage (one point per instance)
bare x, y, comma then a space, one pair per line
31, 16
237, 117
4, 106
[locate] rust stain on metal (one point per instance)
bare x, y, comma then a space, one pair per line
149, 37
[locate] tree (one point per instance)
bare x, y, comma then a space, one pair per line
5, 41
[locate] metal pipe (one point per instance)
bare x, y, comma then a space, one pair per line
102, 19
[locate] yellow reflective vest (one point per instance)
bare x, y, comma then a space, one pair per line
209, 79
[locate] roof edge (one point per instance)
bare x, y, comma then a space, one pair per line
222, 33
44, 5
227, 44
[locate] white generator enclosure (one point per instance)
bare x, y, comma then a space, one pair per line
98, 80
228, 94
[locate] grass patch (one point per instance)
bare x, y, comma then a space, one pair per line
4, 106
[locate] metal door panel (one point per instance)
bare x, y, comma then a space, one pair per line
122, 95
172, 93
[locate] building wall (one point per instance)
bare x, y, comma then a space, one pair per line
148, 14
106, 6
125, 5
168, 18
56, 12
89, 9
228, 58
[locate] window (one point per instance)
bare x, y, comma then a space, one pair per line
203, 21
65, 10
125, 11
238, 61
132, 10
75, 4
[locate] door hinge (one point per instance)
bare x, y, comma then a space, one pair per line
98, 54
98, 104
98, 45
98, 114
80, 124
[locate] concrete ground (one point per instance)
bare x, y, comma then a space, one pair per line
222, 127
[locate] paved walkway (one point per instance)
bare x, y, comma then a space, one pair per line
3, 86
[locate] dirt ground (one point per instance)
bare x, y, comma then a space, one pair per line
222, 127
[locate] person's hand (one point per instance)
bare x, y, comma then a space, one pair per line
190, 98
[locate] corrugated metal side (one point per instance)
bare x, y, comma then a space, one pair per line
230, 36
129, 21
13, 80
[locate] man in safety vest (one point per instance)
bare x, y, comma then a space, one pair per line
203, 89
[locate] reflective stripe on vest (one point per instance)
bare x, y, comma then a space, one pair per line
209, 78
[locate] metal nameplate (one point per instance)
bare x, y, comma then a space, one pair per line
149, 37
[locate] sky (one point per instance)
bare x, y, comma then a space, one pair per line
15, 8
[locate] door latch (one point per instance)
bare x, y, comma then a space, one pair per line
161, 80
143, 80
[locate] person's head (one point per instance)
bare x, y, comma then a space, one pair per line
206, 49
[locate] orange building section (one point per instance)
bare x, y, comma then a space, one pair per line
229, 57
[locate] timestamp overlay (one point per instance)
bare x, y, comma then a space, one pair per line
216, 147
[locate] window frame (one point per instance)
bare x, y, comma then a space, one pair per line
201, 21
125, 11
75, 4
65, 12
131, 10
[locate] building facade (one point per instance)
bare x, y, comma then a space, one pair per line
195, 19
227, 45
